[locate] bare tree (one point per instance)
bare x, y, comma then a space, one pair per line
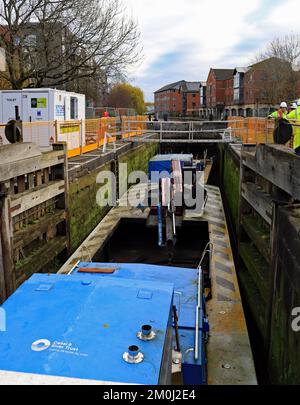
286, 48
280, 71
55, 42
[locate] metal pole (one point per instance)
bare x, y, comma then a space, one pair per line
198, 307
160, 229
55, 131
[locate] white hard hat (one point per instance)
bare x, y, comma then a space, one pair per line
284, 104
298, 102
294, 105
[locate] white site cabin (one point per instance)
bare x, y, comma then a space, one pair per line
39, 109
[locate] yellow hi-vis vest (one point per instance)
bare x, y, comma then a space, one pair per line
278, 114
295, 115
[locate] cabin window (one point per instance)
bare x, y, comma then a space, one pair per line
74, 108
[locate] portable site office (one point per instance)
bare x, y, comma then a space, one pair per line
39, 109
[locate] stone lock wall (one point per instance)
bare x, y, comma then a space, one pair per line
85, 213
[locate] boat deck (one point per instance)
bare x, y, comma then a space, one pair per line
229, 354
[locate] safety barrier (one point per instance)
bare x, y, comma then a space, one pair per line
87, 135
133, 126
81, 136
99, 112
90, 135
252, 130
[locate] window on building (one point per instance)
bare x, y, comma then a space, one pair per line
236, 95
237, 80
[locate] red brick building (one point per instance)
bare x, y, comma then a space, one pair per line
168, 100
218, 90
178, 99
257, 88
229, 93
190, 99
244, 91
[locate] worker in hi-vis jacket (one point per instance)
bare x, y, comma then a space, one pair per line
294, 117
281, 113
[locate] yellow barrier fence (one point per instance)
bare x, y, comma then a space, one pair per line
252, 130
81, 136
133, 126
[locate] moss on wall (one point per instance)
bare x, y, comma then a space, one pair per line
85, 213
136, 160
231, 186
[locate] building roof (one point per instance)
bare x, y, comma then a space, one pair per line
240, 70
203, 84
223, 74
186, 86
269, 60
192, 86
171, 86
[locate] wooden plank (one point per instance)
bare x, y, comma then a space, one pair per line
259, 200
17, 152
278, 164
258, 235
256, 305
2, 268
30, 180
46, 175
21, 184
30, 199
12, 186
39, 258
6, 241
258, 268
31, 232
29, 165
39, 178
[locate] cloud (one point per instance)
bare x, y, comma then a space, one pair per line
183, 39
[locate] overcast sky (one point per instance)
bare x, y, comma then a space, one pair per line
182, 39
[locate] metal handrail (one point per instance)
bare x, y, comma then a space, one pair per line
200, 295
182, 122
